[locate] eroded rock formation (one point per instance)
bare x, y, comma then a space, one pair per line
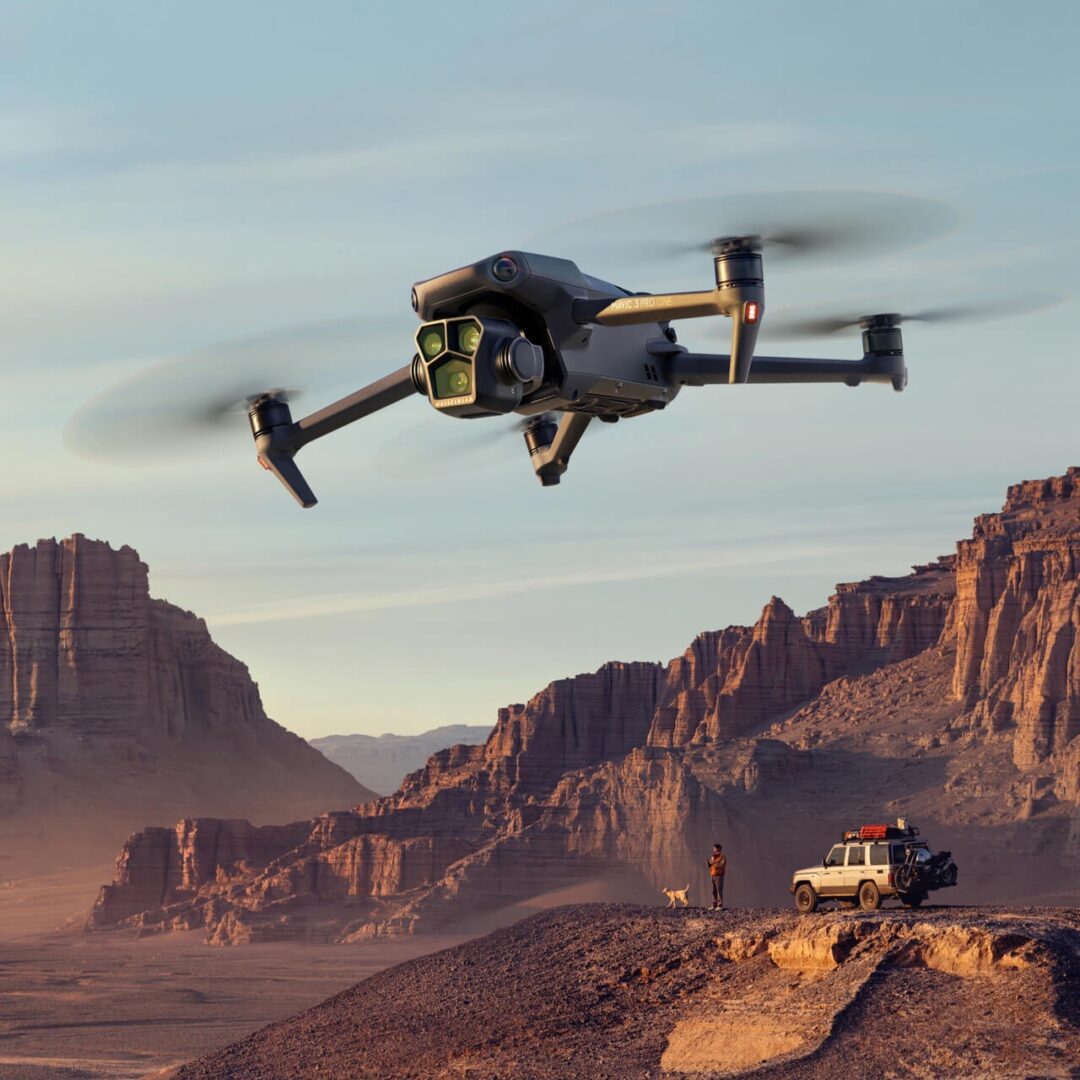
116, 707
950, 694
1018, 617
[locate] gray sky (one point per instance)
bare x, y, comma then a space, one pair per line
176, 175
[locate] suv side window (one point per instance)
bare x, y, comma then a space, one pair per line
836, 856
879, 854
856, 855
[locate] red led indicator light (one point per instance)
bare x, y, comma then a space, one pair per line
751, 311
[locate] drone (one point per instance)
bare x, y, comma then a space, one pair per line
531, 334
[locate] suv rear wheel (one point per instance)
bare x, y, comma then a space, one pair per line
869, 897
913, 900
805, 899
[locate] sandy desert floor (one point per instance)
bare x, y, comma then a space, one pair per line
84, 1006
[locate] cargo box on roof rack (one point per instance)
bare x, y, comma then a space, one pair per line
880, 832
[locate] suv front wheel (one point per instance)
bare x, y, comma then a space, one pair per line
805, 899
869, 896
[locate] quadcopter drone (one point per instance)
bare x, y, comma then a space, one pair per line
533, 335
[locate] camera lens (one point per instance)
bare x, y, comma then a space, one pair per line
504, 268
451, 377
468, 338
431, 341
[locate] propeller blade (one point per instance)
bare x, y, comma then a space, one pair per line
831, 225
205, 393
420, 449
976, 309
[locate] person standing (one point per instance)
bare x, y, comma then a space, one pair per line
717, 865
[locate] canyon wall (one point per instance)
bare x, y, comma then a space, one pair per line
1018, 617
950, 692
116, 708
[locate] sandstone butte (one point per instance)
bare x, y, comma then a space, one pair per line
116, 708
951, 695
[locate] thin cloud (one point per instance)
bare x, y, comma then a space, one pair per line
431, 595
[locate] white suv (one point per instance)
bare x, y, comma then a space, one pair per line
873, 863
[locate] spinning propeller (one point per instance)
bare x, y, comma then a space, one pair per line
207, 393
828, 225
965, 309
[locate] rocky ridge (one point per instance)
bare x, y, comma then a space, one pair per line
616, 991
951, 694
116, 707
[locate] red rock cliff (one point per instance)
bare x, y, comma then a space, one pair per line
116, 707
1018, 616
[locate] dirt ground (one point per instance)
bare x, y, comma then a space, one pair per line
616, 991
75, 1005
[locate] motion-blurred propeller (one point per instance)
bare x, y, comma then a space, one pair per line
831, 225
187, 400
974, 309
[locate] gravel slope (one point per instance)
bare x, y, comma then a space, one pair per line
620, 991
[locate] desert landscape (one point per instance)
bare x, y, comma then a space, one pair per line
538, 541
75, 1008
949, 696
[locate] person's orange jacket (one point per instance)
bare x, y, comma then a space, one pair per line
718, 865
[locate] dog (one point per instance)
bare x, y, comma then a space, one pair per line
677, 894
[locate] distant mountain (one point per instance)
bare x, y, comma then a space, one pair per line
117, 709
950, 695
381, 762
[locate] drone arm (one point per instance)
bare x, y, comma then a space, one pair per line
742, 303
277, 438
629, 310
378, 395
701, 369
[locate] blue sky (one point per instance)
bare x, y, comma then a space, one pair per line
176, 175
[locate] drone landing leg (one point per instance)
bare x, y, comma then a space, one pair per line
277, 438
550, 447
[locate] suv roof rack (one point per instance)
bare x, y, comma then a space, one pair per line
880, 832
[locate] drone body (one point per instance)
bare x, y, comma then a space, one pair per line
533, 335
